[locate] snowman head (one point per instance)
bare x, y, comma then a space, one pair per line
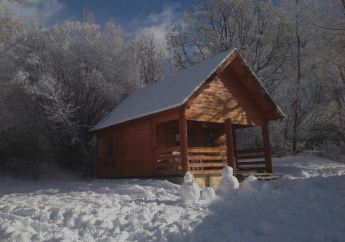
227, 171
188, 177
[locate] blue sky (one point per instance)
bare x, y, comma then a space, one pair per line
120, 10
133, 15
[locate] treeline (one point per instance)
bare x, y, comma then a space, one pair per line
58, 81
296, 48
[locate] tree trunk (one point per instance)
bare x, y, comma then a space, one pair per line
298, 82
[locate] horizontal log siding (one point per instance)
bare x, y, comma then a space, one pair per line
226, 97
137, 152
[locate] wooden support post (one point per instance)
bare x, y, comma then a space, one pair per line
267, 146
98, 165
153, 146
122, 154
230, 143
183, 141
235, 145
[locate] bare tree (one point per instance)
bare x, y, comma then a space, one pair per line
88, 17
149, 56
216, 26
283, 45
10, 26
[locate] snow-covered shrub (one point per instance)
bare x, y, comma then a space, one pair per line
332, 151
21, 168
208, 194
228, 182
189, 191
30, 169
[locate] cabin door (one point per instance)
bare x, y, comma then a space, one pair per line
211, 138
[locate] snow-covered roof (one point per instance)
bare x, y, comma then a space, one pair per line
168, 93
171, 92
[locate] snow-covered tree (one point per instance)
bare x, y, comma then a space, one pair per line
149, 56
75, 73
10, 26
285, 46
216, 26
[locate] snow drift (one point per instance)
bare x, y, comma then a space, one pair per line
294, 208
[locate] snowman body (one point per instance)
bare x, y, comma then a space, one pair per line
251, 183
208, 194
189, 191
228, 182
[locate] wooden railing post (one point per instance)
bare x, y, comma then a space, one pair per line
267, 146
230, 143
183, 140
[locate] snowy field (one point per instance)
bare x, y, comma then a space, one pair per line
306, 204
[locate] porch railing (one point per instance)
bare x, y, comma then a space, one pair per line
204, 160
201, 160
168, 161
250, 159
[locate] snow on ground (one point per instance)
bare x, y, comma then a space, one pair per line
306, 204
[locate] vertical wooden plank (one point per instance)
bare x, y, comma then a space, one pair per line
230, 143
153, 145
122, 153
97, 158
183, 140
267, 146
235, 145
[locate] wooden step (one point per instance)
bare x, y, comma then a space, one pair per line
241, 175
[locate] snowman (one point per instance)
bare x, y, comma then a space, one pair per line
228, 182
189, 191
251, 183
208, 194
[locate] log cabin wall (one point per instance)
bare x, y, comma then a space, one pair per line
135, 148
226, 97
164, 133
134, 153
109, 166
137, 153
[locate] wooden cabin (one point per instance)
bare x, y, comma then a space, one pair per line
187, 122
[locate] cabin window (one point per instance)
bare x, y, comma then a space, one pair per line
111, 144
174, 138
212, 137
108, 149
177, 139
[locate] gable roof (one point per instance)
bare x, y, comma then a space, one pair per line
171, 92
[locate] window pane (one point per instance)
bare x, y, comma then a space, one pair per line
110, 148
177, 139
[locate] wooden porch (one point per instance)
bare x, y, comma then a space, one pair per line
202, 160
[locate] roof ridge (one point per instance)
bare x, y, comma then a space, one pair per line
165, 94
173, 91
